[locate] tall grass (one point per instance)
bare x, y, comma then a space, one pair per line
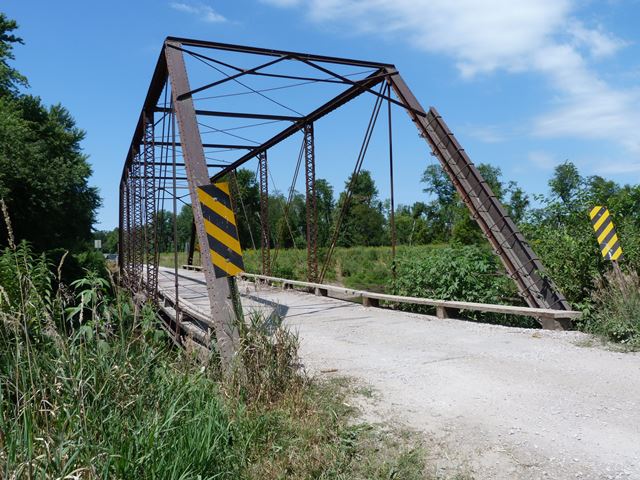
90, 388
616, 315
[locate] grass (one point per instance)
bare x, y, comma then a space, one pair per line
616, 316
90, 388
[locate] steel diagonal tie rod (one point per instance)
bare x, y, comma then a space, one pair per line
378, 94
232, 77
352, 92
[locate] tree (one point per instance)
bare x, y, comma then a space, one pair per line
10, 79
248, 208
363, 222
448, 217
566, 181
184, 224
440, 211
325, 205
43, 172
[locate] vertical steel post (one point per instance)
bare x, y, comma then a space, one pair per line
126, 237
150, 221
264, 213
223, 314
312, 203
120, 225
138, 246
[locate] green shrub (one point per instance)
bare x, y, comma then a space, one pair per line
465, 273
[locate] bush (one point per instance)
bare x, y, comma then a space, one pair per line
465, 273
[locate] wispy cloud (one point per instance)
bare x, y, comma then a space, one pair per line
204, 12
542, 160
539, 36
487, 133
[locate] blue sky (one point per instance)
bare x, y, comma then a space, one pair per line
524, 84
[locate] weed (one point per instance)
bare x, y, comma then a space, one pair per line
617, 316
89, 388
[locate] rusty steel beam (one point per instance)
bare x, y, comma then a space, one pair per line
223, 313
265, 235
137, 224
311, 203
231, 77
346, 96
258, 116
209, 145
522, 264
275, 53
150, 223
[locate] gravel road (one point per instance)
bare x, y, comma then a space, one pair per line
500, 403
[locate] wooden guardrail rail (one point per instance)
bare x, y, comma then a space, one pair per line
548, 318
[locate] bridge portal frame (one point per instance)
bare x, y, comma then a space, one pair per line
136, 193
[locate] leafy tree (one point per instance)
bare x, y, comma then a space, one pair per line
566, 181
10, 79
325, 205
449, 218
43, 172
109, 240
184, 224
248, 208
441, 210
363, 222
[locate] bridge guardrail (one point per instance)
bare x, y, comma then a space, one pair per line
550, 319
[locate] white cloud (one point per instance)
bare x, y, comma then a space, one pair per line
200, 10
598, 42
487, 133
542, 160
539, 36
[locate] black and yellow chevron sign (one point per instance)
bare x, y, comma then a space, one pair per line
222, 232
605, 233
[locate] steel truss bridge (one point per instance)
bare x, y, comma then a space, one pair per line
198, 82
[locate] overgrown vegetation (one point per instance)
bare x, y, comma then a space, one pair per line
89, 388
617, 312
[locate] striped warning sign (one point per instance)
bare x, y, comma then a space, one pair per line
605, 233
222, 232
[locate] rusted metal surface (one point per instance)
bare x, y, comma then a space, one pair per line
311, 203
522, 264
162, 164
150, 222
222, 309
265, 234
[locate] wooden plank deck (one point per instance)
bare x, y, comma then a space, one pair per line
194, 302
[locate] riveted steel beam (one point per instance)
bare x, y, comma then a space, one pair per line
223, 312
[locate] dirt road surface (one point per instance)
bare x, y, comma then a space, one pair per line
495, 402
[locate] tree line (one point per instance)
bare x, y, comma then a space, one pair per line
44, 175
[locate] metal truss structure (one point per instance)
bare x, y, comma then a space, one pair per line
168, 159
